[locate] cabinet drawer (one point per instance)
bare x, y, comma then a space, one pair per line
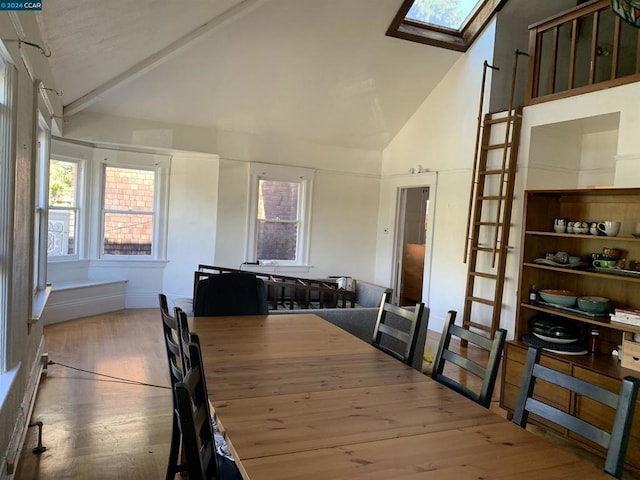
518, 354
630, 354
602, 416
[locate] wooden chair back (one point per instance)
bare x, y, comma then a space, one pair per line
171, 337
487, 374
615, 440
196, 425
396, 330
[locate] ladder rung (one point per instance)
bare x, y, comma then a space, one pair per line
498, 120
492, 172
496, 146
490, 276
481, 300
490, 250
479, 326
492, 197
488, 224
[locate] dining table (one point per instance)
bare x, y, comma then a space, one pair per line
299, 398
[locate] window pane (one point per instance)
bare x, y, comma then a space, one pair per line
278, 200
61, 239
128, 189
128, 234
443, 13
277, 241
63, 177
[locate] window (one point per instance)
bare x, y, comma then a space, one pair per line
7, 77
451, 24
40, 230
64, 211
129, 211
280, 206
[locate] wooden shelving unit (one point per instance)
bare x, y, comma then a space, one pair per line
540, 210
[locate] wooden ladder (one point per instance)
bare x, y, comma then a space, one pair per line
489, 218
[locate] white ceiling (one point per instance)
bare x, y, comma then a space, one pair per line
316, 70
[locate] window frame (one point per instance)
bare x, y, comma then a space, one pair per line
40, 195
159, 164
304, 177
458, 40
8, 119
79, 208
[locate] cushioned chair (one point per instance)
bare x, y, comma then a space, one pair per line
615, 440
194, 416
486, 374
396, 330
230, 294
174, 357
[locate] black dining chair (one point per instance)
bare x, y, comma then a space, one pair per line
196, 426
230, 294
171, 337
186, 338
486, 373
615, 440
396, 330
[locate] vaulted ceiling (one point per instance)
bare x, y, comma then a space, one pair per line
315, 70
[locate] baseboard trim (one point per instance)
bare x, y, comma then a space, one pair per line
16, 443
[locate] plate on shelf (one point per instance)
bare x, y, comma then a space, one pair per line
552, 263
573, 348
554, 339
618, 271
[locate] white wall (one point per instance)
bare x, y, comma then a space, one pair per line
440, 136
193, 215
603, 126
208, 203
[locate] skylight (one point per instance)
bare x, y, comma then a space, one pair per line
442, 13
452, 24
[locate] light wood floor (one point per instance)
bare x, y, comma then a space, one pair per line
98, 427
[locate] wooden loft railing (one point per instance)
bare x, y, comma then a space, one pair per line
285, 292
584, 49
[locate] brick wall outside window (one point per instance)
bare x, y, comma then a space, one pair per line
129, 211
277, 201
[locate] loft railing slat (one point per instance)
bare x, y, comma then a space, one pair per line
616, 47
594, 48
572, 54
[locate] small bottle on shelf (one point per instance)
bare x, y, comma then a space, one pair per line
533, 294
594, 340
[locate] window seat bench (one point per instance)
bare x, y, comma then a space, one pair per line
82, 298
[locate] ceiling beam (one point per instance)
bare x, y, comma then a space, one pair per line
232, 14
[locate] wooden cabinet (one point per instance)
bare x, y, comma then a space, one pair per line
621, 288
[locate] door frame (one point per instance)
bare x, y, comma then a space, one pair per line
424, 181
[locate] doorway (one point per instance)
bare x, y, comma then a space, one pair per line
411, 243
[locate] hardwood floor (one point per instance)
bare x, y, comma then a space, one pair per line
97, 427
101, 428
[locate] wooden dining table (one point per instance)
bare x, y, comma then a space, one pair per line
299, 398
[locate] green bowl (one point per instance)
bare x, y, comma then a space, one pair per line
563, 298
593, 304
